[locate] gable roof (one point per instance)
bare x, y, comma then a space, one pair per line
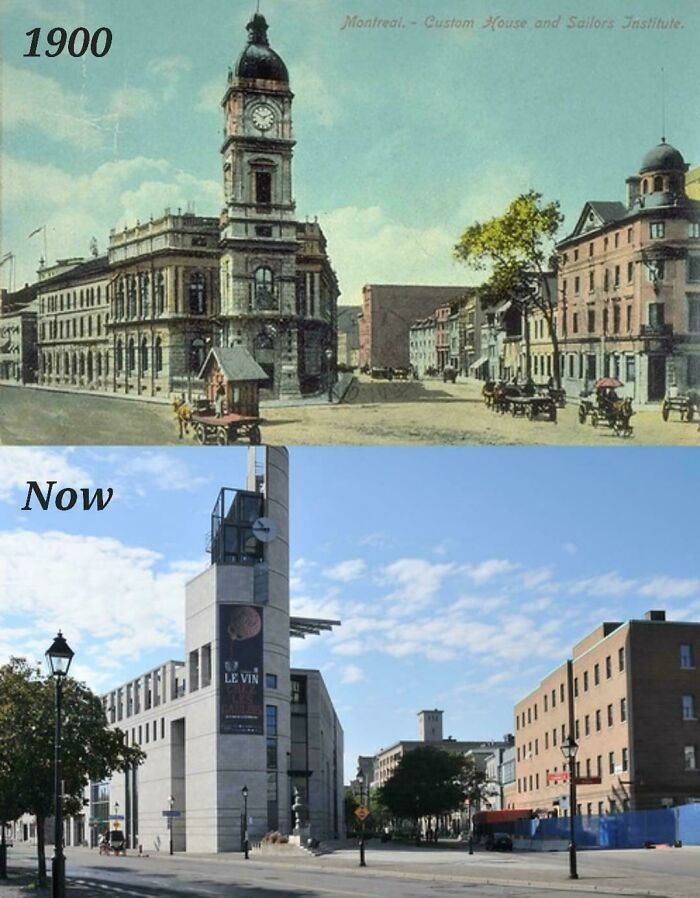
235, 362
596, 214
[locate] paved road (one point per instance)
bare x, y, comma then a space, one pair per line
391, 873
375, 413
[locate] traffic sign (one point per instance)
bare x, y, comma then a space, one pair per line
588, 780
557, 777
362, 813
116, 816
172, 813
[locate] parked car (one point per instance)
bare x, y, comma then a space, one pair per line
499, 842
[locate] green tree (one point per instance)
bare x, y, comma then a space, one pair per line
90, 749
351, 804
425, 783
518, 248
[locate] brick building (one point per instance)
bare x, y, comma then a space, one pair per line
388, 311
629, 285
635, 687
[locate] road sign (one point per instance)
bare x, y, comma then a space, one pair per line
172, 813
116, 824
588, 780
362, 813
116, 816
559, 777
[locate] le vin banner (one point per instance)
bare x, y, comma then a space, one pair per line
241, 697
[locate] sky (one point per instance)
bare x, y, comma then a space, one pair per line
405, 135
461, 576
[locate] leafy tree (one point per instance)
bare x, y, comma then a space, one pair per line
518, 248
90, 749
351, 804
425, 783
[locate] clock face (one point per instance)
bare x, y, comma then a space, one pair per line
265, 530
263, 117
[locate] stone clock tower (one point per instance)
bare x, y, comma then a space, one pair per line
259, 231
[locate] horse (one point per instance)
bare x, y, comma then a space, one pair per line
183, 414
619, 414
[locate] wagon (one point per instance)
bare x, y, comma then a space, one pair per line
687, 404
226, 429
604, 411
533, 407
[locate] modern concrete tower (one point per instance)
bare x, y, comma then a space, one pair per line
237, 626
430, 726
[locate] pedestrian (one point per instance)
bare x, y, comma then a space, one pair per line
219, 401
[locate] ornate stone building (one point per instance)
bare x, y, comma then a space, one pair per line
278, 291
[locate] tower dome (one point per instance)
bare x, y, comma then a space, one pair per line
663, 157
259, 60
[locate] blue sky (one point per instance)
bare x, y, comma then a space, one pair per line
405, 136
461, 576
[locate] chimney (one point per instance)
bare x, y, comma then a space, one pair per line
655, 615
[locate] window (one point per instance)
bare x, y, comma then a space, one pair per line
575, 687
198, 293
574, 323
596, 674
591, 281
577, 285
621, 659
131, 355
611, 762
591, 321
271, 681
587, 725
630, 272
610, 715
693, 268
577, 734
657, 229
608, 667
159, 292
554, 698
585, 681
687, 660
599, 765
623, 709
158, 356
554, 737
689, 758
264, 288
263, 187
617, 316
591, 249
561, 692
144, 355
688, 706
546, 740
617, 240
625, 759
597, 721
197, 353
656, 314
694, 229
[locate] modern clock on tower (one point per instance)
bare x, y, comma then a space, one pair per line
263, 117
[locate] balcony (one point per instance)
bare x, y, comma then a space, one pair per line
656, 330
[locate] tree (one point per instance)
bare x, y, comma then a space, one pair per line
426, 783
91, 750
351, 805
518, 248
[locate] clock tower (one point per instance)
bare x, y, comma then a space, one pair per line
258, 226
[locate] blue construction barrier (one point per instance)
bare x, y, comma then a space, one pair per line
688, 824
631, 829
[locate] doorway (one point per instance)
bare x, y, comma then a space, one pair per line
657, 378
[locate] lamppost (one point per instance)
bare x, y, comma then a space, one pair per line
329, 358
171, 802
244, 793
569, 749
58, 657
361, 782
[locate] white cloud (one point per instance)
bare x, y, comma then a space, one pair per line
320, 101
345, 571
130, 102
351, 673
163, 471
18, 465
570, 548
417, 582
670, 588
487, 570
169, 70
121, 600
610, 584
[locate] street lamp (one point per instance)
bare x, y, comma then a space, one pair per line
171, 802
361, 782
568, 749
329, 357
244, 793
58, 657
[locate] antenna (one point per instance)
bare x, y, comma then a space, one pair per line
663, 105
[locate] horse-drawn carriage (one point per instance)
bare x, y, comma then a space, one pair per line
230, 410
686, 404
525, 400
605, 408
449, 374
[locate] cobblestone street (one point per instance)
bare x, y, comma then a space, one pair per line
374, 413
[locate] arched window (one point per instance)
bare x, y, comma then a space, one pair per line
131, 297
131, 355
119, 300
48, 364
145, 294
81, 365
143, 353
198, 293
197, 348
73, 365
119, 356
90, 371
98, 364
264, 340
645, 186
159, 289
106, 365
264, 288
658, 184
158, 356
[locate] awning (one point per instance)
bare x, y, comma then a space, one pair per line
478, 363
